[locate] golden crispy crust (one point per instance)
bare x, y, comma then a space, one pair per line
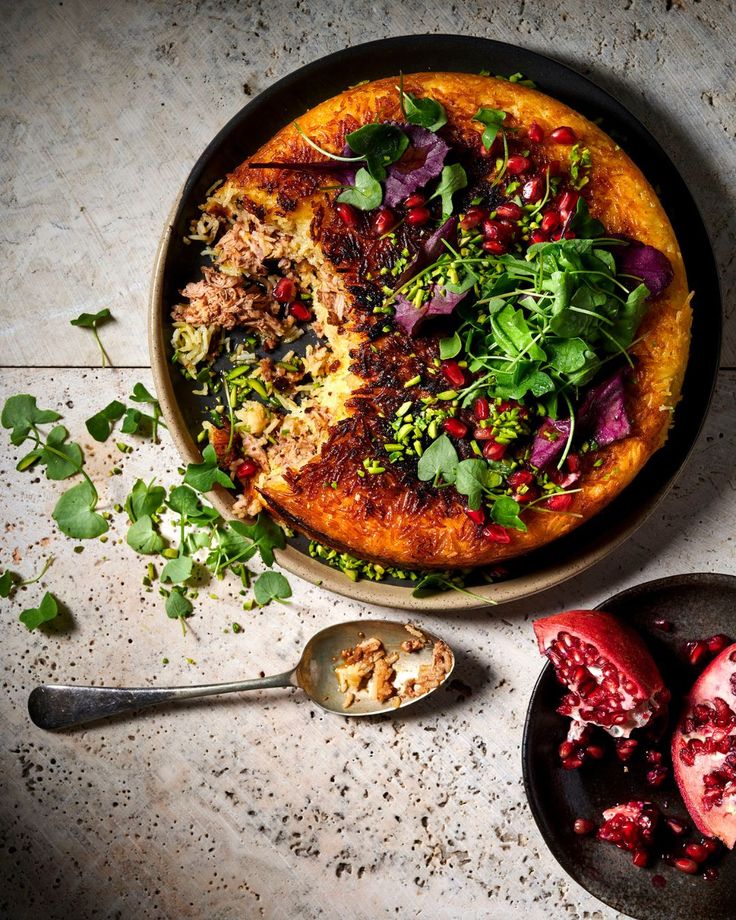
393, 518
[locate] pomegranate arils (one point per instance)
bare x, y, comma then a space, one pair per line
640, 858
477, 516
454, 427
383, 221
509, 210
417, 217
696, 652
481, 409
550, 222
567, 202
563, 135
537, 236
453, 373
686, 865
559, 502
630, 826
285, 290
492, 450
536, 134
657, 776
515, 165
347, 214
678, 828
520, 478
533, 190
583, 827
496, 247
717, 643
625, 748
300, 312
473, 216
246, 469
496, 533
697, 852
415, 200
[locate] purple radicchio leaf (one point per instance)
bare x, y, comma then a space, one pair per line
430, 250
409, 318
603, 411
549, 442
645, 262
422, 161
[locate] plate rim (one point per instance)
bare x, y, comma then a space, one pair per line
717, 578
294, 560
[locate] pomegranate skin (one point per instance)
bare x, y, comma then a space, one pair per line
715, 681
621, 646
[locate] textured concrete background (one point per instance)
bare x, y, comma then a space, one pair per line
263, 806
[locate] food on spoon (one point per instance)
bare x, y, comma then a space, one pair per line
612, 679
704, 749
498, 312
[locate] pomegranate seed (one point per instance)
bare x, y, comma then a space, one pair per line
529, 496
582, 827
550, 222
516, 165
686, 865
415, 200
453, 373
697, 852
481, 408
246, 469
563, 135
696, 651
496, 247
657, 776
572, 763
498, 230
483, 434
717, 643
653, 756
559, 502
566, 750
285, 290
573, 463
536, 134
492, 450
383, 221
538, 237
595, 751
710, 874
473, 216
454, 427
664, 625
418, 216
300, 312
476, 516
509, 210
678, 828
347, 214
711, 845
625, 748
567, 202
520, 478
496, 534
640, 858
533, 189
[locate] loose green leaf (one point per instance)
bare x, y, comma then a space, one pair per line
493, 120
22, 414
30, 460
380, 145
266, 535
101, 424
90, 320
439, 459
450, 347
7, 580
366, 194
75, 514
47, 610
178, 606
471, 479
270, 586
452, 179
177, 570
187, 504
144, 538
145, 499
423, 111
62, 460
505, 511
141, 395
567, 355
583, 224
203, 476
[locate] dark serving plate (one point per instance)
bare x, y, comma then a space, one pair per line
699, 605
286, 99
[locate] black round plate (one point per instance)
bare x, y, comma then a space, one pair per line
699, 605
304, 88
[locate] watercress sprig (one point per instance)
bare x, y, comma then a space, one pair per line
92, 321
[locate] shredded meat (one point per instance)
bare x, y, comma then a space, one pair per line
431, 675
248, 243
227, 302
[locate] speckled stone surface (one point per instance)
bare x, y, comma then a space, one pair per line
263, 806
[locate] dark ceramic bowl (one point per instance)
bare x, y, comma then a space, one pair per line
699, 606
288, 98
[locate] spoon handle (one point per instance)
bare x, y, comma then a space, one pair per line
55, 706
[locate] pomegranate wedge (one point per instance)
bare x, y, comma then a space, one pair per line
612, 678
704, 749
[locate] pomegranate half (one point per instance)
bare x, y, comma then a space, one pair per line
612, 678
704, 749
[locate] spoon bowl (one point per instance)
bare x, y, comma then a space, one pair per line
55, 706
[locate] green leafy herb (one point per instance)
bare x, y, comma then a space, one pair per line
366, 194
145, 499
47, 610
450, 347
92, 321
178, 605
177, 570
471, 479
75, 514
505, 511
203, 476
423, 111
22, 415
62, 460
270, 586
438, 460
380, 145
7, 581
188, 505
144, 538
452, 179
266, 535
101, 424
139, 422
433, 582
493, 120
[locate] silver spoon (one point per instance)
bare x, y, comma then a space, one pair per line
56, 706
